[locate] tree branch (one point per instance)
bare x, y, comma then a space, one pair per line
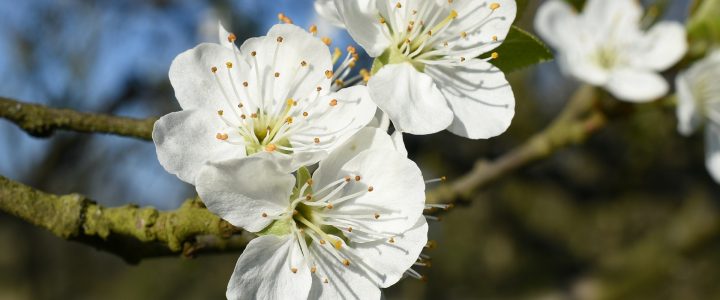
39, 120
580, 119
130, 232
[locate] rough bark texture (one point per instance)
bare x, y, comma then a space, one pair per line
129, 231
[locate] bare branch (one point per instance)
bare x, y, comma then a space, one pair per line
580, 119
130, 232
40, 120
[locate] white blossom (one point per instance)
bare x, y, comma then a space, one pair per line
352, 228
428, 77
327, 10
698, 96
605, 46
272, 95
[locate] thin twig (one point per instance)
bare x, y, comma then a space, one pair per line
580, 118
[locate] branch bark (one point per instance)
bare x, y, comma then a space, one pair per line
580, 119
131, 232
39, 120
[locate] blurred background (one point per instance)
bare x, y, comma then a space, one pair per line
631, 214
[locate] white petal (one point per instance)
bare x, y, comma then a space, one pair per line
613, 18
366, 139
410, 98
661, 47
557, 23
712, 150
397, 139
264, 271
636, 86
344, 282
195, 85
327, 10
242, 190
363, 24
479, 96
390, 260
480, 24
689, 118
380, 120
397, 196
185, 140
284, 59
335, 124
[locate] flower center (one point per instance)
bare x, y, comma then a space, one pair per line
262, 119
419, 33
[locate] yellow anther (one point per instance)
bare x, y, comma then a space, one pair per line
346, 262
325, 280
294, 270
289, 120
462, 59
347, 178
463, 34
313, 29
253, 115
326, 40
245, 83
213, 69
316, 140
357, 177
228, 65
270, 148
277, 74
310, 182
220, 112
329, 206
305, 114
337, 244
221, 136
431, 244
232, 38
392, 240
453, 14
494, 5
333, 102
351, 49
243, 116
494, 55
336, 55
303, 63
313, 269
253, 53
349, 229
322, 242
328, 74
308, 197
377, 216
264, 215
398, 5
370, 188
382, 20
494, 38
319, 88
283, 18
279, 39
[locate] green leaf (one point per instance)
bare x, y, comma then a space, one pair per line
704, 27
519, 50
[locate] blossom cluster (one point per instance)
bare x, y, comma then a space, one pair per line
256, 119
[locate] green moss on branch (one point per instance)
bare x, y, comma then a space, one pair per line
39, 120
129, 231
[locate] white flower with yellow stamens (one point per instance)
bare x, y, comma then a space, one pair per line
605, 46
353, 227
272, 95
427, 74
698, 96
